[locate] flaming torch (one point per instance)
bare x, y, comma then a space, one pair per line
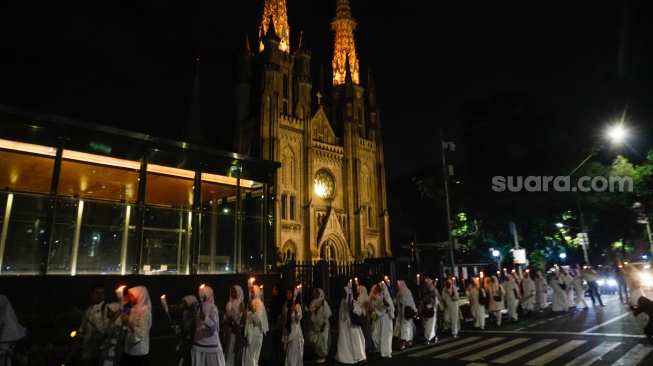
165, 307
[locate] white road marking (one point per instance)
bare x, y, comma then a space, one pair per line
524, 351
594, 354
495, 349
555, 353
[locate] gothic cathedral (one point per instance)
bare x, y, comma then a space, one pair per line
330, 190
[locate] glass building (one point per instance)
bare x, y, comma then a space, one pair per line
79, 198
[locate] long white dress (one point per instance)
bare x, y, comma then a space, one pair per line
512, 299
351, 342
293, 340
320, 314
577, 284
541, 290
232, 316
476, 308
404, 328
429, 324
568, 281
451, 308
255, 328
382, 325
495, 306
364, 301
559, 296
528, 293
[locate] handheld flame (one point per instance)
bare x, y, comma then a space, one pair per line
164, 303
120, 293
202, 292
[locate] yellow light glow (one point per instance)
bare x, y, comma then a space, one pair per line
30, 148
103, 160
73, 334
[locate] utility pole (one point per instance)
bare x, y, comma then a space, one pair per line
445, 174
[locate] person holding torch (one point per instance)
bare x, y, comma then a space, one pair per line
255, 328
138, 323
293, 337
207, 350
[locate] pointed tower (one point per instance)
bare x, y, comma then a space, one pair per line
275, 10
194, 131
329, 200
344, 25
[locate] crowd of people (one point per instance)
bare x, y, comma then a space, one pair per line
117, 333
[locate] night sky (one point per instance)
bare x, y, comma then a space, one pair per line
130, 64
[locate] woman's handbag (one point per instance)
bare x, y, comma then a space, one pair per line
409, 313
497, 298
428, 312
355, 318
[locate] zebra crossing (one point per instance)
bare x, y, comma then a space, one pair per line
499, 350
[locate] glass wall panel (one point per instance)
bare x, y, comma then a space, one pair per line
252, 238
23, 220
166, 243
217, 243
92, 237
168, 190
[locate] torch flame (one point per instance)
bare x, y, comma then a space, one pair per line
73, 334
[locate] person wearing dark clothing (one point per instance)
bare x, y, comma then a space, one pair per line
645, 306
589, 274
621, 283
277, 302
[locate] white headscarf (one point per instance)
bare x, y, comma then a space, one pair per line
141, 302
363, 299
344, 304
316, 303
10, 330
189, 300
260, 310
388, 298
404, 296
233, 306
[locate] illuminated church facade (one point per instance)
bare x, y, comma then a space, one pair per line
330, 190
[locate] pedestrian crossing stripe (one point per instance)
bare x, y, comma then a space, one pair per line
495, 349
467, 346
555, 353
594, 354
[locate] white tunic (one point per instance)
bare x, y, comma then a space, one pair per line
351, 342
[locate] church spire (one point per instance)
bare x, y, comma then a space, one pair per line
194, 132
275, 11
344, 25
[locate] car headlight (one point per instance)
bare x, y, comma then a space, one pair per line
612, 282
646, 279
601, 282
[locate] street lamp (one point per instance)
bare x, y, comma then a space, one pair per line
445, 174
639, 209
497, 255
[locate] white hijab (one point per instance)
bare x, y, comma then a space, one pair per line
233, 306
260, 309
141, 302
10, 330
404, 296
386, 295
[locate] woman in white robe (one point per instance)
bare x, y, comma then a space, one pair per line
351, 342
541, 290
404, 327
207, 349
431, 301
383, 312
567, 280
559, 303
477, 309
364, 301
496, 294
320, 332
255, 328
528, 292
451, 309
293, 338
512, 297
579, 290
234, 314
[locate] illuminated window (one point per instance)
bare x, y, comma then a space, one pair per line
324, 184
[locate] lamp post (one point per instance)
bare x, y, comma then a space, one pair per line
445, 175
639, 209
497, 254
583, 240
